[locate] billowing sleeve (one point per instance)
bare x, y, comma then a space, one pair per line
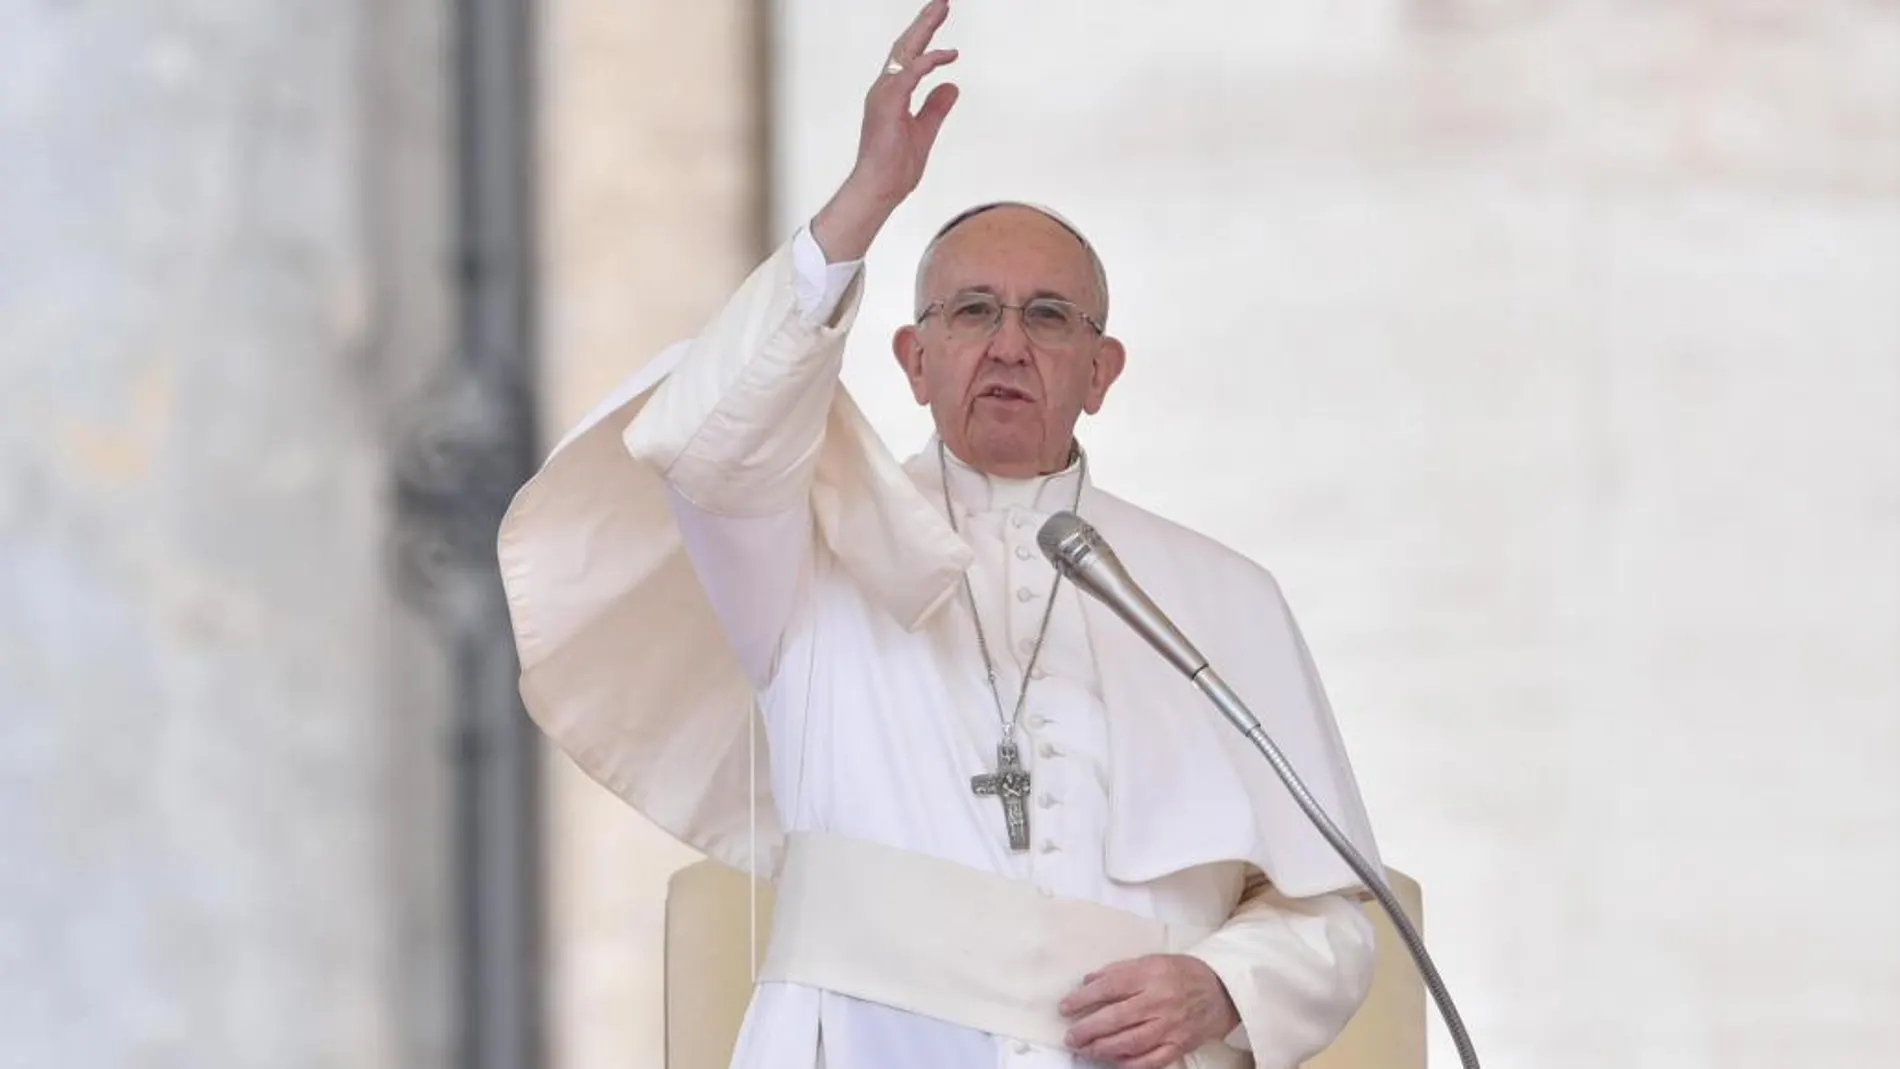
735, 432
1296, 969
651, 562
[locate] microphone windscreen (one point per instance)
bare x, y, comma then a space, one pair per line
1064, 529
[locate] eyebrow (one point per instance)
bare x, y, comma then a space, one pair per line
1039, 294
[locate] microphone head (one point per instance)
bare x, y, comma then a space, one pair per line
1067, 540
1081, 555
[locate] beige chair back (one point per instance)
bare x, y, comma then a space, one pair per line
708, 976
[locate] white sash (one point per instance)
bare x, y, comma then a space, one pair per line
940, 939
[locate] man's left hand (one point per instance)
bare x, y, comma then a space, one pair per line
1148, 1013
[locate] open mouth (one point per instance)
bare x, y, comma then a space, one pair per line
1005, 393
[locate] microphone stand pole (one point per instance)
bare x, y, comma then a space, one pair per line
1080, 553
1237, 714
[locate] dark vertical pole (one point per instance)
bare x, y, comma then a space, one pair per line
500, 861
764, 147
468, 444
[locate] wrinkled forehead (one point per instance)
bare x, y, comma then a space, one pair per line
938, 240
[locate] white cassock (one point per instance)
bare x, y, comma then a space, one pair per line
728, 535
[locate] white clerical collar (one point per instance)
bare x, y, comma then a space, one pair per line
976, 492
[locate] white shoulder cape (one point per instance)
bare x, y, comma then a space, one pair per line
624, 666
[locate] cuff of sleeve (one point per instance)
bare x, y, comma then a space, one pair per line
818, 286
1296, 978
736, 426
1237, 1039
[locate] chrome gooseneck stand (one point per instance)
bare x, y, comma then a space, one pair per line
1230, 706
1084, 558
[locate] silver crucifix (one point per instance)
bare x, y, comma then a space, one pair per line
1010, 781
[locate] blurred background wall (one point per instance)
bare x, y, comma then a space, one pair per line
225, 808
1548, 352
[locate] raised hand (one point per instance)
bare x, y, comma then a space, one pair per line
893, 143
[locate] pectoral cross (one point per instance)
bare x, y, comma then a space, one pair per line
1010, 781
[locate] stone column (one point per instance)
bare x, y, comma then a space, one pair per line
223, 794
653, 192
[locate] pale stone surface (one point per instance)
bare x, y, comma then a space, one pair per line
1550, 355
222, 784
652, 208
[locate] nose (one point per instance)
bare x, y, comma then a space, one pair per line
1009, 342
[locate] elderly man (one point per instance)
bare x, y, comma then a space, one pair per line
1003, 831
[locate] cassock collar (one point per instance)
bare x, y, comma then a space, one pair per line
974, 492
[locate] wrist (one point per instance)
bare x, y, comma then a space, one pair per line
1226, 1010
845, 227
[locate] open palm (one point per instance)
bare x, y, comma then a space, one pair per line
894, 144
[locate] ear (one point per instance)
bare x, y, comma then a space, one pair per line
1109, 360
908, 347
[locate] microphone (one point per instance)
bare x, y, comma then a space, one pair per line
1084, 558
1081, 555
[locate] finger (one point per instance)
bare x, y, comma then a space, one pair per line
1086, 1000
1111, 1020
892, 87
916, 37
936, 109
893, 91
1100, 989
1137, 1041
916, 70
